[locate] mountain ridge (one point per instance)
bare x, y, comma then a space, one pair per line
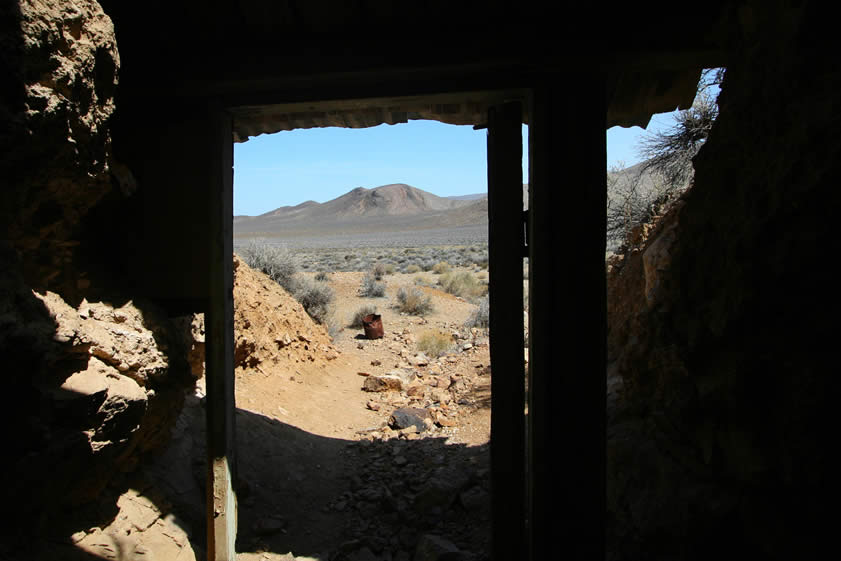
387, 208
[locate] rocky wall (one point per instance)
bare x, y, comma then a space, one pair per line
92, 378
721, 328
87, 391
60, 65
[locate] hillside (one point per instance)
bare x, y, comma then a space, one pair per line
389, 208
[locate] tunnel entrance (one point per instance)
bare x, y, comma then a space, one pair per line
506, 248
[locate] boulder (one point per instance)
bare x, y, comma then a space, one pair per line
405, 417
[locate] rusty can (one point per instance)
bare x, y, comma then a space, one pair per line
373, 324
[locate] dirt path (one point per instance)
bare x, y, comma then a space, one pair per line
325, 469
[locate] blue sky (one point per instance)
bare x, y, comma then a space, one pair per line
291, 167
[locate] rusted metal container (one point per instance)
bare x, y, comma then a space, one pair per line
373, 324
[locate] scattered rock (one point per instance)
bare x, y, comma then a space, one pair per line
382, 383
405, 417
416, 390
431, 548
419, 359
476, 499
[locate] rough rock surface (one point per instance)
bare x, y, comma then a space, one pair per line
720, 330
107, 382
270, 326
60, 61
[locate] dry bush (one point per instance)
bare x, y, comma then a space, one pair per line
434, 343
275, 261
413, 301
411, 269
441, 267
370, 288
462, 284
481, 316
378, 271
356, 320
316, 298
421, 280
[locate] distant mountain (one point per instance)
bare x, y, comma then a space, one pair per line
473, 197
395, 207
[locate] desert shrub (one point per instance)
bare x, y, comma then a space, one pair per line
378, 271
434, 343
275, 261
389, 269
413, 269
421, 280
322, 276
413, 301
481, 316
441, 267
370, 288
316, 298
462, 284
356, 320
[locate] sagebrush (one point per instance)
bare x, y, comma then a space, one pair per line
356, 320
413, 302
316, 298
462, 284
434, 343
370, 288
481, 316
275, 261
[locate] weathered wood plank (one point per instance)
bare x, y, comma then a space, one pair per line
221, 405
505, 246
567, 304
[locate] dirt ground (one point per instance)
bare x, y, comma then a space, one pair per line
321, 473
345, 453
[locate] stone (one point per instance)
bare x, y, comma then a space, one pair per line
476, 499
382, 383
415, 390
405, 417
440, 396
431, 548
443, 421
419, 359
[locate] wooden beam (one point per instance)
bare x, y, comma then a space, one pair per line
567, 308
505, 245
219, 357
